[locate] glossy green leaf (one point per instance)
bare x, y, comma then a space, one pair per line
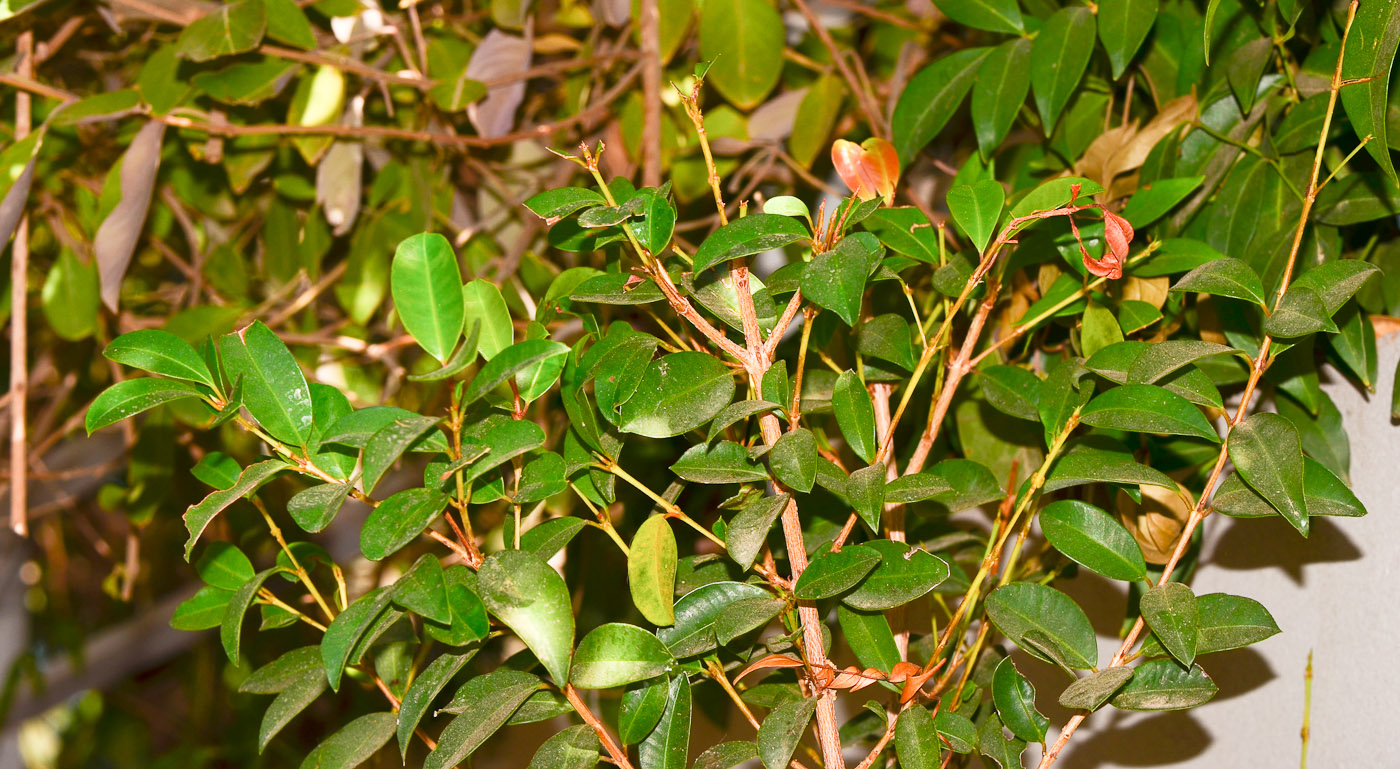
519, 357
484, 705
426, 285
1224, 277
388, 443
353, 744
794, 460
743, 41
855, 414
831, 574
722, 462
231, 629
835, 281
224, 566
694, 629
641, 709
931, 98
976, 208
750, 235
726, 755
745, 615
916, 740
903, 575
782, 730
1171, 612
957, 729
227, 30
678, 393
1148, 409
651, 570
297, 679
533, 601
991, 15
553, 205
482, 302
1024, 607
1002, 83
399, 520
1093, 538
549, 537
865, 490
1336, 282
1014, 697
198, 516
617, 654
1370, 53
887, 337
274, 388
869, 636
668, 745
1123, 26
1268, 455
573, 748
133, 396
748, 529
203, 610
160, 352
1162, 684
1011, 390
344, 633
1058, 58
1157, 360
1087, 463
1231, 622
1300, 312
313, 509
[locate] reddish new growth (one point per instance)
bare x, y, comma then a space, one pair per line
1118, 235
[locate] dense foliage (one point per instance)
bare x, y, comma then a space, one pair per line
527, 365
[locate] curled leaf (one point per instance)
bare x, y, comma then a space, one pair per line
870, 168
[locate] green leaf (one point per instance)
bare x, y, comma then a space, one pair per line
869, 636
1123, 26
533, 601
903, 575
668, 745
574, 748
224, 566
726, 755
794, 460
1161, 684
916, 740
1224, 277
855, 414
353, 744
1358, 197
1092, 691
274, 389
835, 281
519, 357
484, 704
231, 630
1170, 610
1336, 282
1157, 360
957, 729
388, 443
1099, 329
750, 235
313, 509
203, 610
651, 570
748, 530
399, 520
641, 709
198, 516
745, 615
1015, 700
469, 621
723, 462
976, 208
931, 98
787, 205
694, 629
344, 633
1370, 53
551, 536
887, 337
71, 297
160, 352
617, 654
743, 42
1093, 538
1054, 194
1024, 607
1087, 463
423, 591
426, 285
482, 302
1268, 455
553, 205
133, 396
286, 23
1058, 58
1002, 83
782, 730
832, 574
1231, 622
227, 30
993, 744
1324, 494
1012, 390
865, 489
1153, 201
1300, 312
678, 393
1355, 345
245, 83
991, 15
297, 678
1147, 409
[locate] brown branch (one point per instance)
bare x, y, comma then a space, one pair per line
651, 93
868, 106
19, 326
618, 753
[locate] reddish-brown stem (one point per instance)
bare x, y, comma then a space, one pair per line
618, 753
19, 328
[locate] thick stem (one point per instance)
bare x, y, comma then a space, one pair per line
618, 753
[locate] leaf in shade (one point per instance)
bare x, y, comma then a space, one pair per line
345, 631
887, 337
1162, 684
1093, 538
617, 654
427, 288
133, 396
313, 509
354, 743
1012, 390
931, 98
1002, 83
903, 575
831, 574
274, 388
668, 745
483, 705
869, 636
1058, 58
231, 629
748, 529
198, 516
958, 730
1170, 610
1148, 409
532, 600
1371, 54
574, 748
224, 566
641, 709
1268, 455
651, 570
993, 744
750, 235
399, 520
422, 590
977, 208
1020, 608
498, 55
678, 393
297, 679
16, 177
117, 236
226, 30
1092, 691
782, 730
203, 610
1015, 700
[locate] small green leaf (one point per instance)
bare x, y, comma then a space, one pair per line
1231, 622
794, 460
1162, 684
1024, 607
1093, 538
354, 743
1123, 26
1170, 610
668, 745
388, 443
726, 755
745, 615
991, 15
931, 98
198, 516
617, 654
1224, 277
133, 396
869, 636
224, 566
865, 489
835, 281
1370, 53
531, 599
855, 414
916, 740
274, 388
553, 205
1058, 58
313, 509
160, 352
483, 704
574, 748
203, 610
831, 574
399, 520
976, 208
722, 462
887, 337
750, 235
787, 205
957, 729
641, 709
993, 744
743, 42
344, 633
231, 630
519, 357
1268, 455
651, 570
1092, 691
1012, 390
229, 29
1015, 700
748, 529
694, 629
426, 285
782, 730
482, 303
1300, 312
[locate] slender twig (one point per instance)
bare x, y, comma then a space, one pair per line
618, 753
868, 105
19, 325
1306, 732
650, 27
1261, 362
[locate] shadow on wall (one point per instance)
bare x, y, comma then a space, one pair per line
1262, 543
